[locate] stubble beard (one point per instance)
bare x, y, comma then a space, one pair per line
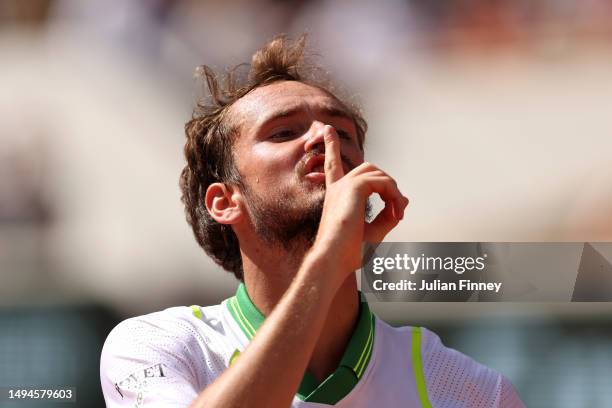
285, 219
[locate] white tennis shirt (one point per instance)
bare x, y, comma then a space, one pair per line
165, 359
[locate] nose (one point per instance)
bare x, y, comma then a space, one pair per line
315, 137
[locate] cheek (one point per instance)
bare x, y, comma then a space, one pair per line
353, 153
270, 163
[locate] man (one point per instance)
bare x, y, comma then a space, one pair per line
276, 191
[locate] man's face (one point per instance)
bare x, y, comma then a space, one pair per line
279, 154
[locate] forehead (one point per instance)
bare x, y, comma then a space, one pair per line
257, 106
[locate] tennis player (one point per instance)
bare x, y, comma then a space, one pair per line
276, 190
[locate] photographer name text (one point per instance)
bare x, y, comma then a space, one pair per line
436, 285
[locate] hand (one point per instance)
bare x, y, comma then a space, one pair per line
343, 227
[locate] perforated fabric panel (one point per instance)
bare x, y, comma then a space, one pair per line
509, 398
454, 380
165, 359
161, 359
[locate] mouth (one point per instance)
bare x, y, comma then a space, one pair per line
314, 164
314, 168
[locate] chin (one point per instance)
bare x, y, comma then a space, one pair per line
315, 194
314, 187
309, 198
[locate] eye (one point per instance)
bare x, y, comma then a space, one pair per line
283, 134
343, 134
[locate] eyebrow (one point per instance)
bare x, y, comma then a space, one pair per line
327, 110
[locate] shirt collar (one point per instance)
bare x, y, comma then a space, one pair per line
352, 364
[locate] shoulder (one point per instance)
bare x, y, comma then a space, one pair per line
173, 321
442, 364
171, 348
451, 378
175, 329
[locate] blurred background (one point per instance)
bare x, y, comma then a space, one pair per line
495, 117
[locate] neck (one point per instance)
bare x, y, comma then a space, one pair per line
267, 280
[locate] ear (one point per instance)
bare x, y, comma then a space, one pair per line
224, 203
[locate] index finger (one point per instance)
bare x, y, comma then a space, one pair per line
333, 161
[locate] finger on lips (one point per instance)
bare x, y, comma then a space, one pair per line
333, 161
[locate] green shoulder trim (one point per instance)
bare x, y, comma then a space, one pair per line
417, 365
234, 357
196, 311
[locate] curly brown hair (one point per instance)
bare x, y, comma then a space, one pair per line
210, 135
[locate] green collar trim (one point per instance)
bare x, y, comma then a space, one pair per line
248, 317
352, 364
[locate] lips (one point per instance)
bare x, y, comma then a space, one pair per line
314, 164
313, 169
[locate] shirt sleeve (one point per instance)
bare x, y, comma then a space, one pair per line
455, 380
508, 396
144, 364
